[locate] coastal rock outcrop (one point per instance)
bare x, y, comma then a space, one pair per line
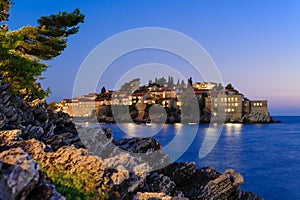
124, 177
35, 120
256, 117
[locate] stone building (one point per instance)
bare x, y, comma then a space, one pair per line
205, 85
235, 106
231, 104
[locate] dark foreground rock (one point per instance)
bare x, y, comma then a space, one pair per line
33, 138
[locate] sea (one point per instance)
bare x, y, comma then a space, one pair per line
266, 155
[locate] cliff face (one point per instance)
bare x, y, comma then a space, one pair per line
34, 141
257, 117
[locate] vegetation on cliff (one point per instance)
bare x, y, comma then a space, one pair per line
22, 51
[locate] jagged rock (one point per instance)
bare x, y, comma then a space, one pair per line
193, 188
256, 117
209, 184
8, 139
99, 141
44, 190
180, 172
65, 139
139, 145
147, 149
19, 174
35, 120
160, 183
242, 195
223, 186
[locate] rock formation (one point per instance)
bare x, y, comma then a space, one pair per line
254, 118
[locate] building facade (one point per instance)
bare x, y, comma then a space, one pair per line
228, 101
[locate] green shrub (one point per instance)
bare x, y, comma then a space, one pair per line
76, 185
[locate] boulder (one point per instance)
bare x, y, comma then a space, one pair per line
19, 174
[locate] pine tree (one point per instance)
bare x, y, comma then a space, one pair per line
22, 51
171, 81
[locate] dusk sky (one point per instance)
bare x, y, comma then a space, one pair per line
254, 43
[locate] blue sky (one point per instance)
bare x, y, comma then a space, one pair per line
254, 43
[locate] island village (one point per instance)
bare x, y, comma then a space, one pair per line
139, 99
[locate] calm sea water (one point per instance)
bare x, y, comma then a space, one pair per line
268, 156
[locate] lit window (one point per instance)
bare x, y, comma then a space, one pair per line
235, 98
232, 110
254, 104
236, 104
260, 104
232, 99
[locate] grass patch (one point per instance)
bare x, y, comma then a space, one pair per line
76, 185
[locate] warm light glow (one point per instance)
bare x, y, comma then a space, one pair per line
233, 128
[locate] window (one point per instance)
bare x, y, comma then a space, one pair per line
260, 104
236, 99
236, 104
254, 104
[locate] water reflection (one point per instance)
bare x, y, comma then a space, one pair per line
233, 129
183, 138
212, 134
133, 130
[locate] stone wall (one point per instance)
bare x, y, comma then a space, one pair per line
259, 106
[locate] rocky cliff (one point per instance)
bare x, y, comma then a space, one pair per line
42, 153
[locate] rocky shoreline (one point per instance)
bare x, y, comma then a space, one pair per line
35, 140
172, 118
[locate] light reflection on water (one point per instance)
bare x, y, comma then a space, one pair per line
233, 129
142, 130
